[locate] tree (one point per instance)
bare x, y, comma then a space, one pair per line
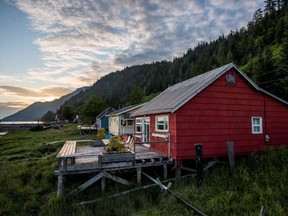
136, 95
270, 6
91, 108
258, 15
67, 112
48, 117
284, 57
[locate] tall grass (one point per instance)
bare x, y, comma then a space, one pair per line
28, 184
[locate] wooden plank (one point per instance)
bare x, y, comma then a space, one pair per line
87, 183
68, 148
112, 158
116, 179
188, 169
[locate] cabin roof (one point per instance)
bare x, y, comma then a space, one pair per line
125, 109
174, 97
105, 112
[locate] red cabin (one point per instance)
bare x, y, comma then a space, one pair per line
213, 108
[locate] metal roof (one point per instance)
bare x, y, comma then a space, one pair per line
125, 109
105, 112
179, 94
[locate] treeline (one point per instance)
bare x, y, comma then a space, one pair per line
260, 49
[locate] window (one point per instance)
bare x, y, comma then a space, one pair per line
162, 123
256, 125
130, 122
139, 128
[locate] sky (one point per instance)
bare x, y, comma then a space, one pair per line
49, 48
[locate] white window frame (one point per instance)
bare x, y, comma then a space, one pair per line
260, 125
166, 118
139, 123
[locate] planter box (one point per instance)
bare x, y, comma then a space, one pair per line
116, 157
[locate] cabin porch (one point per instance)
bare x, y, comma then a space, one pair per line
79, 157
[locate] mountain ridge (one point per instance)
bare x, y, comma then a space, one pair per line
36, 110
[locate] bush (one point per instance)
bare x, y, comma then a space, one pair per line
101, 133
116, 144
37, 128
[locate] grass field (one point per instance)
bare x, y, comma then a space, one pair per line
28, 184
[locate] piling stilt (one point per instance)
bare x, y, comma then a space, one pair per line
60, 186
103, 184
139, 173
199, 163
177, 172
230, 150
165, 171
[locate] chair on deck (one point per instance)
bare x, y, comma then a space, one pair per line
129, 143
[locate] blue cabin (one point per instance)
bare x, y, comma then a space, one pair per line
102, 119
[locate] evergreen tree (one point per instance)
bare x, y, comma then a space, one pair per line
270, 6
136, 95
258, 15
91, 108
48, 117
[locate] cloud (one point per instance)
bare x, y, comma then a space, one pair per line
40, 93
14, 104
80, 41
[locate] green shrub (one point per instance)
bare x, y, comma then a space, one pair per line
101, 133
116, 144
37, 128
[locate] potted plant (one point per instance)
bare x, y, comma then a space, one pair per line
116, 145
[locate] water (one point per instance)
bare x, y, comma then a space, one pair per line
20, 122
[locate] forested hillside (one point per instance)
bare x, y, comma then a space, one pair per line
260, 49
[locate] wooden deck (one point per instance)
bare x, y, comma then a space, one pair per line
86, 159
83, 152
94, 158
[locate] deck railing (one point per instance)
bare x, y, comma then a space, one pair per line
152, 138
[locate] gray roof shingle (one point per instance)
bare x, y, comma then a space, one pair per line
179, 94
125, 109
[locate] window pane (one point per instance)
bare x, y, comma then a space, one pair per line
162, 123
160, 127
256, 129
138, 128
256, 121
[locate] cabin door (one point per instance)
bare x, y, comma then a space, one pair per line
146, 130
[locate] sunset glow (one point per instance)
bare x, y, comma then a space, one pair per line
50, 48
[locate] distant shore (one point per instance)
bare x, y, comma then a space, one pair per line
20, 122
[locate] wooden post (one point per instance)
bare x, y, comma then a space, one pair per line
230, 150
199, 163
139, 173
177, 171
60, 186
165, 171
262, 211
103, 184
169, 146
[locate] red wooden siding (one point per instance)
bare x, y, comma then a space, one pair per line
222, 113
276, 122
163, 147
